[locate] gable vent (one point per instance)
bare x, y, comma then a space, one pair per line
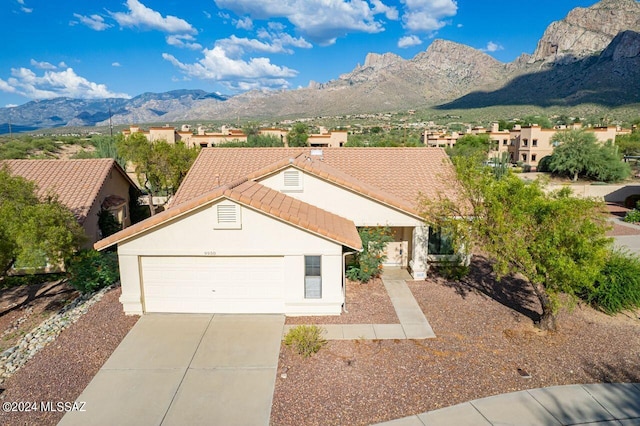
227, 214
291, 179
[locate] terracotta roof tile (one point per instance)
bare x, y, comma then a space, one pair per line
397, 176
76, 183
269, 201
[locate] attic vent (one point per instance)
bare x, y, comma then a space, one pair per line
228, 216
292, 180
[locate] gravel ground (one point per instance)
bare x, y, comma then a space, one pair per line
23, 308
484, 335
367, 303
61, 371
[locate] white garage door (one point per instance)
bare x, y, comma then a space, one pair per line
213, 284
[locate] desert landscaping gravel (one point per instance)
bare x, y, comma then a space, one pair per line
485, 334
61, 371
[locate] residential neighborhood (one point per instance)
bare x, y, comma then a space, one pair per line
320, 213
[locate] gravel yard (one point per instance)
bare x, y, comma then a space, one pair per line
480, 345
61, 371
367, 303
484, 331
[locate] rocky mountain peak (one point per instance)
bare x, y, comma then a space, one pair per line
587, 31
375, 60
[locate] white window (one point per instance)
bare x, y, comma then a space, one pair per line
228, 216
292, 181
312, 277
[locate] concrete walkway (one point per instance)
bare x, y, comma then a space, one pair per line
596, 404
413, 323
628, 242
175, 369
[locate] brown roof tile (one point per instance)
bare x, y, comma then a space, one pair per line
255, 195
397, 176
76, 183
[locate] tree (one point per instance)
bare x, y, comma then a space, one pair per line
578, 153
469, 145
159, 166
298, 135
629, 144
554, 240
33, 232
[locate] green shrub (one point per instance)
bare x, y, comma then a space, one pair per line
632, 216
368, 263
90, 270
618, 286
453, 271
108, 223
305, 339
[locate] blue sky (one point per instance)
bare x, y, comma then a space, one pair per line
123, 48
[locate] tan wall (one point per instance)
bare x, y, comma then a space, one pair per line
335, 199
193, 235
115, 184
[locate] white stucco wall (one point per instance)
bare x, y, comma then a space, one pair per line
335, 199
260, 235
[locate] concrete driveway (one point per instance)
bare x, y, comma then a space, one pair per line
187, 370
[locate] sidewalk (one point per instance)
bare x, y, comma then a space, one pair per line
413, 323
594, 404
628, 242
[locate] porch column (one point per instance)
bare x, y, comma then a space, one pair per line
419, 264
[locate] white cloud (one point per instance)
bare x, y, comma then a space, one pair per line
53, 84
235, 73
459, 25
62, 65
141, 16
427, 15
409, 41
276, 26
389, 11
116, 64
42, 65
95, 22
322, 21
27, 9
492, 47
11, 105
183, 41
244, 23
206, 14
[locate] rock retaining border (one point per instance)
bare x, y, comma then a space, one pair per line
15, 357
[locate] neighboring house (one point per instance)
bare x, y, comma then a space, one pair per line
523, 144
267, 229
327, 139
84, 186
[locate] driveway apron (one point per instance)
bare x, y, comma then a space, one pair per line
194, 369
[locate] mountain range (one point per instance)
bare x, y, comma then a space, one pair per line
591, 56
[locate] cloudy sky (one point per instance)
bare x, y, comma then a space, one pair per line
122, 48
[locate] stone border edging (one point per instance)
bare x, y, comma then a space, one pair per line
16, 356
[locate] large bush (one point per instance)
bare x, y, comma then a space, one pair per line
90, 270
368, 263
618, 286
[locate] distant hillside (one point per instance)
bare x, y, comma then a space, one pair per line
591, 56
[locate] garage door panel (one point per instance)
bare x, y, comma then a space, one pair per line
213, 285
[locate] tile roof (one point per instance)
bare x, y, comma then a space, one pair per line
77, 183
254, 195
404, 174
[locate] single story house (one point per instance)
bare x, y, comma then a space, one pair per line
84, 186
266, 230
